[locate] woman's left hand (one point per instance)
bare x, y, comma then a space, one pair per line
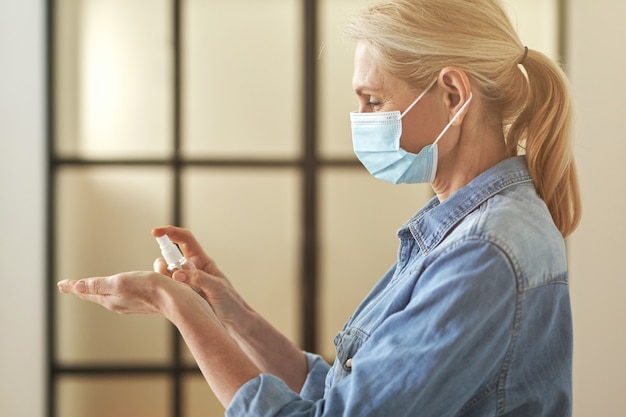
222, 362
125, 293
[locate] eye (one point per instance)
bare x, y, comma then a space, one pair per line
374, 104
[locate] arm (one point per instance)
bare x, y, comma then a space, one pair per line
430, 357
267, 348
443, 342
223, 364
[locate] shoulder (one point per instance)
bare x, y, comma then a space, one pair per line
517, 223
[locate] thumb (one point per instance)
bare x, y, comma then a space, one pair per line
180, 275
187, 276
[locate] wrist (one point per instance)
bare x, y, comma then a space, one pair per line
173, 299
224, 366
246, 326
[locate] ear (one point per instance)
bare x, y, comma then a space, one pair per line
456, 87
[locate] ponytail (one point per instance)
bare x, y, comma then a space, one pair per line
543, 130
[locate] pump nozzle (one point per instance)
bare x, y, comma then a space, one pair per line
172, 255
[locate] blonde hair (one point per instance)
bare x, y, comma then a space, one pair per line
414, 39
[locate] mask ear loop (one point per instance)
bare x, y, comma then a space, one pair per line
418, 98
445, 129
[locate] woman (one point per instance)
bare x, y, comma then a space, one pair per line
474, 318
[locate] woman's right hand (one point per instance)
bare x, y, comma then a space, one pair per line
191, 249
267, 347
207, 280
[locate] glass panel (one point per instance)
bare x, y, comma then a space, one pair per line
248, 221
104, 220
359, 217
113, 396
198, 399
242, 72
336, 64
113, 81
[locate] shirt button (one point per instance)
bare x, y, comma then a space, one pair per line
349, 363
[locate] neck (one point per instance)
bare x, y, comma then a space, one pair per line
475, 151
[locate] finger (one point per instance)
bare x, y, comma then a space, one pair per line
73, 286
190, 247
181, 276
210, 285
160, 266
124, 293
65, 286
94, 290
92, 286
183, 237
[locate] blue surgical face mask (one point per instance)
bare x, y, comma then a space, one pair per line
376, 142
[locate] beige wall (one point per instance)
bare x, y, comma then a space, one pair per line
22, 208
597, 250
597, 58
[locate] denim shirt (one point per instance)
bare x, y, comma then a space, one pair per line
473, 319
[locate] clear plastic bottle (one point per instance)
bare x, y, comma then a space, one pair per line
172, 255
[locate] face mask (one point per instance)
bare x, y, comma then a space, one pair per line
376, 142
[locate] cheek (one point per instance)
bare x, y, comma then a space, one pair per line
419, 130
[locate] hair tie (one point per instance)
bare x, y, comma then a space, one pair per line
521, 61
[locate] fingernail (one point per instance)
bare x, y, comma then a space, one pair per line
179, 276
81, 286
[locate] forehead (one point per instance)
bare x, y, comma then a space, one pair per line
368, 78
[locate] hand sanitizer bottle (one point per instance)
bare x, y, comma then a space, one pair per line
172, 255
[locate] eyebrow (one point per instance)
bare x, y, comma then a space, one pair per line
363, 90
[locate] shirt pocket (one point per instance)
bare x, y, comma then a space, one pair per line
347, 344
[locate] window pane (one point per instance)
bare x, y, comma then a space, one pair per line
248, 221
113, 78
198, 399
359, 218
104, 222
113, 397
242, 72
336, 65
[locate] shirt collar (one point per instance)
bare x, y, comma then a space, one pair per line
433, 222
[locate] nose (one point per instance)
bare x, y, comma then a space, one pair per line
364, 108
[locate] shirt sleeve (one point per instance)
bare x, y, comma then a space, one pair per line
313, 388
267, 395
446, 344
